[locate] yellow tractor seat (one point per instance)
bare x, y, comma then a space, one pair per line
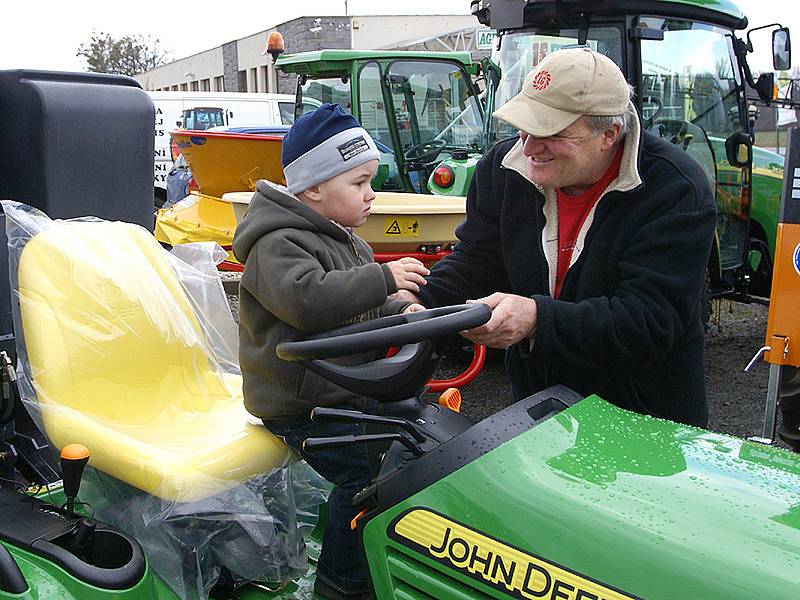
119, 362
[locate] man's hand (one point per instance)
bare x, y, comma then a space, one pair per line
513, 319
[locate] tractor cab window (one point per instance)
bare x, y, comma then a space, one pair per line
689, 95
690, 75
374, 119
286, 110
434, 104
200, 119
520, 52
335, 90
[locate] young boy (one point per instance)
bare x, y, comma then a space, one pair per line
306, 272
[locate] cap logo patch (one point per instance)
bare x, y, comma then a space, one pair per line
541, 80
353, 148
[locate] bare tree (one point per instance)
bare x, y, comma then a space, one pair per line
128, 55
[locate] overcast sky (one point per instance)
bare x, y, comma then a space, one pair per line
46, 34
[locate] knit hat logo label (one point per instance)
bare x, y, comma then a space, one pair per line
353, 148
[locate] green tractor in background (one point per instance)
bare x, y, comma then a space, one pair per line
689, 70
421, 108
683, 58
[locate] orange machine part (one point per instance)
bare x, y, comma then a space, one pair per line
74, 452
783, 326
354, 521
451, 398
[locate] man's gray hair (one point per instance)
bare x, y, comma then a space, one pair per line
598, 124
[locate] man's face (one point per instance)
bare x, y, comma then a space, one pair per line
347, 198
568, 159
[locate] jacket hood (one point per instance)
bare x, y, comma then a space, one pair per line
275, 207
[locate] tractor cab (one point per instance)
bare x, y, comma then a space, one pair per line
201, 118
689, 71
421, 108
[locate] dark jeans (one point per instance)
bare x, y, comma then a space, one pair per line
342, 561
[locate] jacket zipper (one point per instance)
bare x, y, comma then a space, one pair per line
364, 316
353, 246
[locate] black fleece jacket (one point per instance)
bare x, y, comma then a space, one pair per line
627, 325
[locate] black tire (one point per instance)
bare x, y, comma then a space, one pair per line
761, 278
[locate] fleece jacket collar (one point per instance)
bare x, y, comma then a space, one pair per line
628, 179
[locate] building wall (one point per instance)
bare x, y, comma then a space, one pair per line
245, 69
256, 72
230, 66
388, 32
257, 66
198, 68
312, 33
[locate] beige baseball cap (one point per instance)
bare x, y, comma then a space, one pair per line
564, 86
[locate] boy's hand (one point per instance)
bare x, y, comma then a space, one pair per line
408, 273
413, 308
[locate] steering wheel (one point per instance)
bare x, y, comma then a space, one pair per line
425, 152
378, 334
421, 335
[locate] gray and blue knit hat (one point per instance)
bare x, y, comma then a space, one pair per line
321, 145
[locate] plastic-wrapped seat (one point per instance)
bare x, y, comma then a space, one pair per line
118, 363
117, 355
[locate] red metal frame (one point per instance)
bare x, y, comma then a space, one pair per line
227, 265
380, 257
384, 257
470, 373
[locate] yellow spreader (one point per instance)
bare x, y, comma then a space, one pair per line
227, 167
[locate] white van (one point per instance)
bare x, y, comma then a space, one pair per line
203, 110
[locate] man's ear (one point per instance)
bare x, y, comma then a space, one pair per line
311, 194
611, 136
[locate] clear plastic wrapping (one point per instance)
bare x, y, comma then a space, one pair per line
131, 351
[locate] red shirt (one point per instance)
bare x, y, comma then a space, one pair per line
572, 212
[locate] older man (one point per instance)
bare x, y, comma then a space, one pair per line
589, 240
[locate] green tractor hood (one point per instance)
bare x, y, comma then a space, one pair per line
597, 502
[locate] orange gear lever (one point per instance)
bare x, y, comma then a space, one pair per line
73, 459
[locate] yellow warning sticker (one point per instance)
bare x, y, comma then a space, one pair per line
517, 573
402, 226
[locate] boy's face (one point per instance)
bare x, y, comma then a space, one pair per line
347, 198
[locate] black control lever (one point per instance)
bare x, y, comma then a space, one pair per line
311, 444
81, 536
355, 416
